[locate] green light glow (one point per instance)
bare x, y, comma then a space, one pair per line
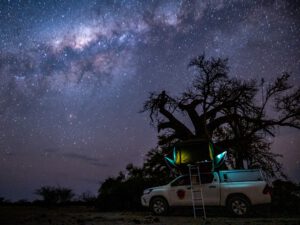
174, 154
170, 160
184, 154
220, 157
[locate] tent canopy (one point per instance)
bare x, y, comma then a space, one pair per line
194, 152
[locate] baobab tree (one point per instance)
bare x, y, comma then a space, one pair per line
238, 115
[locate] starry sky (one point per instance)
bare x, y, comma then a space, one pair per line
74, 75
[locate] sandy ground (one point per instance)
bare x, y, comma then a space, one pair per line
17, 215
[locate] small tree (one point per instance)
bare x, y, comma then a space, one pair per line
48, 194
65, 195
55, 195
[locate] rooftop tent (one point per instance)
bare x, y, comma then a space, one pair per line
195, 152
191, 152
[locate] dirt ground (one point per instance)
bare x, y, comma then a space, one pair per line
28, 215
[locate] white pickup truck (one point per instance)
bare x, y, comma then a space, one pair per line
238, 190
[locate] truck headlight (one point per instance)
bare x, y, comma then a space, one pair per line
147, 191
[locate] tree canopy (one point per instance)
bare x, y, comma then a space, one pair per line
55, 195
238, 115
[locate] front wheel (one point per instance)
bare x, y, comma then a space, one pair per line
238, 206
159, 206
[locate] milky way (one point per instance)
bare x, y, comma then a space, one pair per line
74, 75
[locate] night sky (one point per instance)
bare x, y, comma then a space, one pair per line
74, 76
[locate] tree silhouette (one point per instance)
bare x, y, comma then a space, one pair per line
125, 190
227, 111
88, 198
55, 195
155, 167
4, 201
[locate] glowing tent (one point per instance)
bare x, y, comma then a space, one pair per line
194, 152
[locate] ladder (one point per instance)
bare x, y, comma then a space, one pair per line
196, 194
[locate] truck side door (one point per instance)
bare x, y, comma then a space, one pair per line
211, 189
180, 192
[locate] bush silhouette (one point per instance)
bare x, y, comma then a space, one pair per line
124, 192
286, 196
55, 195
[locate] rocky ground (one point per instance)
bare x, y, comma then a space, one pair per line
27, 215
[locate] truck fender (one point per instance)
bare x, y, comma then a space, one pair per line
159, 196
237, 195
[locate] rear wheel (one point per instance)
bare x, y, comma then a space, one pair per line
159, 206
238, 206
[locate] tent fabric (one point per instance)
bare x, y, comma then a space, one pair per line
200, 153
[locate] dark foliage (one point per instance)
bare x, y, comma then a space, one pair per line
286, 197
87, 198
234, 114
55, 195
23, 202
4, 201
124, 191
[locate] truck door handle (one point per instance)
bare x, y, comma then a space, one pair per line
212, 186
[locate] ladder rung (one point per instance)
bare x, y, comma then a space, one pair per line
197, 194
194, 171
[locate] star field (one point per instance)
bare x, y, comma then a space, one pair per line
74, 75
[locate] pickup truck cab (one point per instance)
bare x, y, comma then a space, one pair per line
238, 190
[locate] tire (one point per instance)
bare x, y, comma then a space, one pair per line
159, 206
239, 206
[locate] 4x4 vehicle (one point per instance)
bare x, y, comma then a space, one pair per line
238, 190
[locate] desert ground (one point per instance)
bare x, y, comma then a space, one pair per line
29, 215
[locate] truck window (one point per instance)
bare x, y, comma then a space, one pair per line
207, 178
181, 181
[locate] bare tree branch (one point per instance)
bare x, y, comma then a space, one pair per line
226, 110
